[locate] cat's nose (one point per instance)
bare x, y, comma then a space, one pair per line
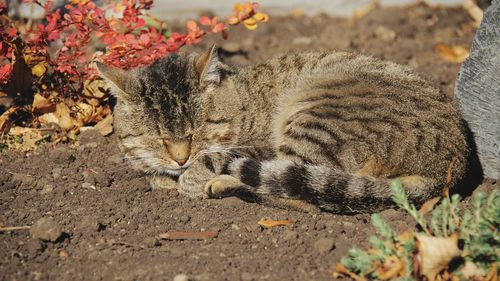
181, 161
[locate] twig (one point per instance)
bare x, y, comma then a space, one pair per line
14, 228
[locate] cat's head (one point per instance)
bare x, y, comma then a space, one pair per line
154, 115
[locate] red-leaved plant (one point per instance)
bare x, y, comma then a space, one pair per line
47, 67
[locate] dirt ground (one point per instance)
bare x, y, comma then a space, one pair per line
110, 219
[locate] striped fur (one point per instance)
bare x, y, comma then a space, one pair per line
330, 129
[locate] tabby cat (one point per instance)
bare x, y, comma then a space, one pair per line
307, 131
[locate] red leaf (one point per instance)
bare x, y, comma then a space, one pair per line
219, 27
145, 40
11, 31
5, 71
205, 20
192, 26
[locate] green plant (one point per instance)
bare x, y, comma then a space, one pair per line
447, 246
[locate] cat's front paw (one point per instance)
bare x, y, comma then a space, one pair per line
223, 186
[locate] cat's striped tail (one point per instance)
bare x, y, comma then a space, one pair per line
331, 190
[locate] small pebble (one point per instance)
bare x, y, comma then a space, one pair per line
235, 226
46, 229
48, 188
56, 173
87, 185
181, 277
324, 245
151, 242
88, 224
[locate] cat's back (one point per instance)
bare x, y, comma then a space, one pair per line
357, 107
292, 70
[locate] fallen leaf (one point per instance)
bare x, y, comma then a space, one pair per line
186, 235
272, 223
341, 270
470, 270
406, 236
29, 137
48, 118
434, 254
451, 53
105, 126
63, 254
42, 104
429, 205
392, 267
5, 117
63, 116
96, 88
493, 274
446, 189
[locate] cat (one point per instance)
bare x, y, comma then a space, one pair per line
309, 131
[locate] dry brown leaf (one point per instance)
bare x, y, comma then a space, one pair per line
272, 223
5, 117
187, 235
446, 189
470, 270
63, 116
95, 88
434, 254
451, 53
48, 118
360, 13
429, 205
42, 104
105, 126
29, 136
493, 274
474, 11
406, 236
63, 254
392, 267
341, 270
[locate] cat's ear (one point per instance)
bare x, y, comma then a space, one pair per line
208, 68
115, 77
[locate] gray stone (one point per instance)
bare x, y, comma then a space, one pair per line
46, 229
324, 245
477, 91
